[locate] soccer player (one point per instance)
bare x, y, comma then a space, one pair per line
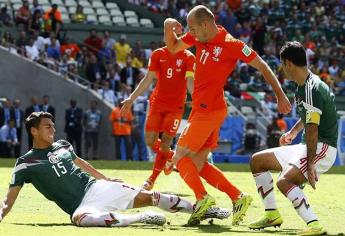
62, 177
217, 53
174, 73
303, 162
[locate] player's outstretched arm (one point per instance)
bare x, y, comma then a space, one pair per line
172, 28
284, 105
142, 87
87, 167
8, 202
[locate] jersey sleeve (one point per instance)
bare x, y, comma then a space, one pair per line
190, 65
19, 174
154, 61
313, 105
69, 147
239, 50
189, 39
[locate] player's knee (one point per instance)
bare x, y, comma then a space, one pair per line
255, 162
281, 184
149, 141
182, 151
165, 145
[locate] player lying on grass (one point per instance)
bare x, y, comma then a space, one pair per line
62, 177
303, 162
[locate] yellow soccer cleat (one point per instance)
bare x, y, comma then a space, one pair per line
240, 207
270, 219
313, 228
200, 210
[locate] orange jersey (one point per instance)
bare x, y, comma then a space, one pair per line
171, 88
215, 60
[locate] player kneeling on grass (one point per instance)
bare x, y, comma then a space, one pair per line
56, 172
303, 162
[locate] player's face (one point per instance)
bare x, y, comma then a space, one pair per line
45, 132
199, 31
286, 68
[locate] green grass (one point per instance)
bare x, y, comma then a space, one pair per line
33, 215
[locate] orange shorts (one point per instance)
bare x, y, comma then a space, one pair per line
202, 130
166, 122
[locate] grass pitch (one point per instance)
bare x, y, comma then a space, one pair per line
33, 215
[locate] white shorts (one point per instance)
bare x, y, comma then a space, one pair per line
297, 155
105, 196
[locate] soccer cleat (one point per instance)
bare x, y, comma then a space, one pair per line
240, 207
216, 213
148, 185
153, 218
169, 167
270, 219
200, 210
313, 228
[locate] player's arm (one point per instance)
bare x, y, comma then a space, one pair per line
284, 105
174, 43
289, 136
9, 200
87, 167
142, 87
190, 83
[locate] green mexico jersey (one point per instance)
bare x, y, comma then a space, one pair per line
315, 97
53, 173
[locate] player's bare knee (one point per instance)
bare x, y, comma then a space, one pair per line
282, 184
182, 151
165, 145
255, 162
149, 141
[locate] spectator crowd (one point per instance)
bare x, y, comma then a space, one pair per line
113, 67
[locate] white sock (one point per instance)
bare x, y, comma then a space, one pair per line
300, 203
171, 203
264, 185
106, 219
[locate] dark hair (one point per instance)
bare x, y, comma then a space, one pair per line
34, 120
294, 52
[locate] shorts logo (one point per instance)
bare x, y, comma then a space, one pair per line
246, 51
53, 157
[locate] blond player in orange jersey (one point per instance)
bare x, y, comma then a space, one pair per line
174, 73
217, 53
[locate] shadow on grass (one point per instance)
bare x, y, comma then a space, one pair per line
44, 224
144, 165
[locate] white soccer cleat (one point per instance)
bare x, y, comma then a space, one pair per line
153, 218
217, 213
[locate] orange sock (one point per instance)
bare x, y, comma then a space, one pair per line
216, 178
190, 175
156, 145
157, 166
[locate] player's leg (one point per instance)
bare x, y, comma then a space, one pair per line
114, 219
152, 128
261, 163
172, 203
192, 139
288, 183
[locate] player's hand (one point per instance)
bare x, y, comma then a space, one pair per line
174, 25
126, 105
284, 105
312, 176
287, 138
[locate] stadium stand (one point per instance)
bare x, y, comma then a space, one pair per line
264, 25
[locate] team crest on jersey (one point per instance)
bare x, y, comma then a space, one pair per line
216, 52
246, 51
178, 62
53, 157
